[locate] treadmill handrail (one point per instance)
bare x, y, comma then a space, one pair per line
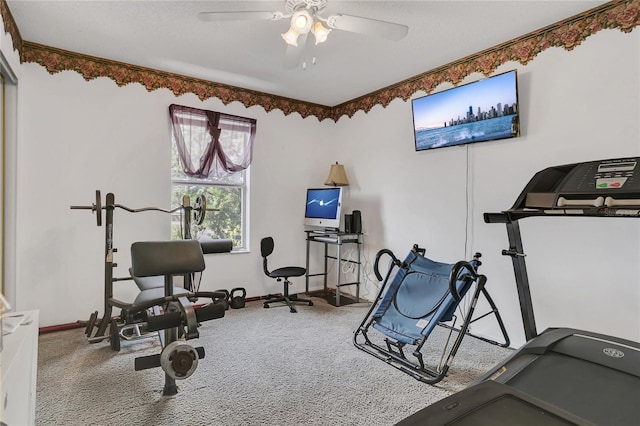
547, 181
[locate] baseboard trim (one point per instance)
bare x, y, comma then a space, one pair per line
60, 327
79, 324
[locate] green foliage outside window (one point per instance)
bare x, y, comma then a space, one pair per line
224, 222
224, 195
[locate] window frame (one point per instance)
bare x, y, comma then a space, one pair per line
212, 182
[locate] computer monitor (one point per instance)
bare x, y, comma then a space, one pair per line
323, 207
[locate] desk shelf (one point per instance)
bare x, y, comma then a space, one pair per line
338, 240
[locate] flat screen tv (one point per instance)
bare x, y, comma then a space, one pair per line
323, 207
481, 111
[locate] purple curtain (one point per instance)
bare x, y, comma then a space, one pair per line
220, 144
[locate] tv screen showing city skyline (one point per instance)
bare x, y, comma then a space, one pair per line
481, 111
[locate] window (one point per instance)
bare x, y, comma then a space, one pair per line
210, 157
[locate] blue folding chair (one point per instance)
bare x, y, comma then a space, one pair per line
422, 294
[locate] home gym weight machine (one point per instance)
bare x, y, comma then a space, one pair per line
197, 212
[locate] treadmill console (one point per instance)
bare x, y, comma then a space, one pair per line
602, 176
606, 187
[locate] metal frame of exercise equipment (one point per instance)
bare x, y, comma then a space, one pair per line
401, 332
180, 319
198, 210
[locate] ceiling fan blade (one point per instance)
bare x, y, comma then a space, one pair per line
265, 15
293, 54
367, 26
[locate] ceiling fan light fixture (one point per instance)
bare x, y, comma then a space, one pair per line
320, 32
291, 37
301, 22
307, 16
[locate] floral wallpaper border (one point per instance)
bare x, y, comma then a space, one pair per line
623, 15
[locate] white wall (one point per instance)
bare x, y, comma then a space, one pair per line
575, 106
80, 136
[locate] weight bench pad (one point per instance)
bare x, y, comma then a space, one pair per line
147, 283
177, 257
216, 246
157, 293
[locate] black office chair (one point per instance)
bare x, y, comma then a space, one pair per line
266, 248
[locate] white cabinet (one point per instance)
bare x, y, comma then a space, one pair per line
19, 361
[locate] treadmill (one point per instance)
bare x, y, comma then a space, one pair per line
563, 375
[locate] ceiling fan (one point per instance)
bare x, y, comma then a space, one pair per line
306, 17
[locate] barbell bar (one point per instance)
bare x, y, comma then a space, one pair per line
199, 208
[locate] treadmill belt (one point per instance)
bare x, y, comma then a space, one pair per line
596, 393
508, 410
491, 404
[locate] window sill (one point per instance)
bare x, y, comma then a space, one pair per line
240, 251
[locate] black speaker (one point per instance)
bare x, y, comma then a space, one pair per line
348, 223
356, 222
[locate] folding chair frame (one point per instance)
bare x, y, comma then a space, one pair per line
394, 352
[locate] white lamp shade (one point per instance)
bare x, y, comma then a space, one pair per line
301, 22
320, 32
291, 37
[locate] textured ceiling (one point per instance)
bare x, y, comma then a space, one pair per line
166, 35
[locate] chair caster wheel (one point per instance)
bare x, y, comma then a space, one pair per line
264, 305
292, 310
310, 303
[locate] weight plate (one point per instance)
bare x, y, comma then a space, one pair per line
199, 209
98, 207
114, 335
179, 360
91, 323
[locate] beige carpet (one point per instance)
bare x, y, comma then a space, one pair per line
262, 367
